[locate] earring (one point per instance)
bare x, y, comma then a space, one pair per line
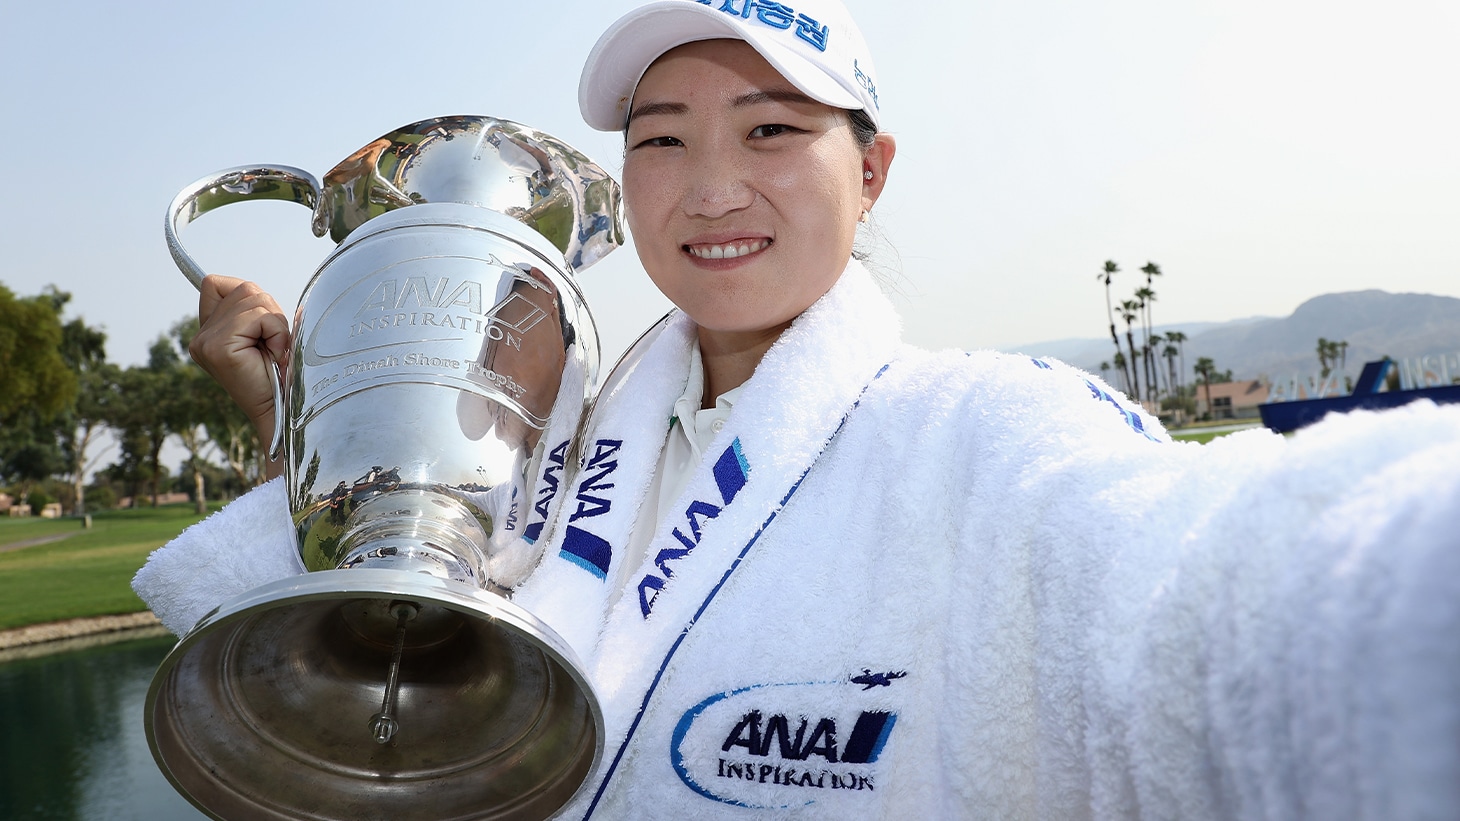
867, 175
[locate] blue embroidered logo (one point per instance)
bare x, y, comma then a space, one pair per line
731, 472
871, 679
1132, 419
778, 16
545, 494
512, 512
587, 550
866, 82
763, 735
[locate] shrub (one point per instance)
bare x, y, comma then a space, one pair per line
100, 497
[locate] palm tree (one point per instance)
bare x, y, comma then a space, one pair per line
1327, 355
1151, 270
1170, 352
1119, 361
1206, 369
1129, 310
1180, 339
1153, 354
1144, 298
1111, 269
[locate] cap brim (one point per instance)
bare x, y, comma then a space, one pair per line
627, 49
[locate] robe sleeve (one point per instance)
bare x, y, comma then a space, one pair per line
247, 543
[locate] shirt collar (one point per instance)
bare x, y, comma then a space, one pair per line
687, 407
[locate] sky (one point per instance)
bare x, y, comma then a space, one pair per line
1261, 153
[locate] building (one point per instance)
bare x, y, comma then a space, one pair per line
1231, 400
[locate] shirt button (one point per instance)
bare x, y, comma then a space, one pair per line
717, 425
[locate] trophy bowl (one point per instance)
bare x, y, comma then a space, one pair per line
439, 352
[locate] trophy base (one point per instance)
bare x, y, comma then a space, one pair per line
271, 707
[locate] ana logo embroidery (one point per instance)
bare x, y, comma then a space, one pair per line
587, 550
511, 524
773, 746
551, 477
731, 471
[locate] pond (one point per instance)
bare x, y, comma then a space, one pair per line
72, 745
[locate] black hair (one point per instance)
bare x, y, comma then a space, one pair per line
864, 131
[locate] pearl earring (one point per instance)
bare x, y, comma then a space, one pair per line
867, 175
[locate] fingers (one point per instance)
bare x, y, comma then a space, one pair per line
233, 316
241, 328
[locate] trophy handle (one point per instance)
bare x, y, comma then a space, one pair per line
232, 185
276, 442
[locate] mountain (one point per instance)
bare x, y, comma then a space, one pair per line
1374, 324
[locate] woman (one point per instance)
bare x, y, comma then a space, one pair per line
854, 579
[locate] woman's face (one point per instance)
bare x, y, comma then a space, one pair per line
743, 194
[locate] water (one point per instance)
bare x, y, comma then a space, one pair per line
72, 745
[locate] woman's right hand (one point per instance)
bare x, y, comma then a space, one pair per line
241, 332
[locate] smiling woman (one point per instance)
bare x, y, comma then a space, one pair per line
813, 571
744, 195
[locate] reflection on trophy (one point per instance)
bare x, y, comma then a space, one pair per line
437, 352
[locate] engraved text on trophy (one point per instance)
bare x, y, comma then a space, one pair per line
472, 323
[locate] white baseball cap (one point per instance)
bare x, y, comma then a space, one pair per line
813, 43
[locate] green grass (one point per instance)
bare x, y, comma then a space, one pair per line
89, 572
1200, 437
1201, 433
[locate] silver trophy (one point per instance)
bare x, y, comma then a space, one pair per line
439, 352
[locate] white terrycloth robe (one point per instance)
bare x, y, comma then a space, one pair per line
1000, 592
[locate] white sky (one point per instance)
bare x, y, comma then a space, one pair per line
1261, 152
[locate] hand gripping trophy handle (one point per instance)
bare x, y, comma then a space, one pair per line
442, 359
226, 187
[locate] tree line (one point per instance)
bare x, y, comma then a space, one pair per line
1139, 369
59, 395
